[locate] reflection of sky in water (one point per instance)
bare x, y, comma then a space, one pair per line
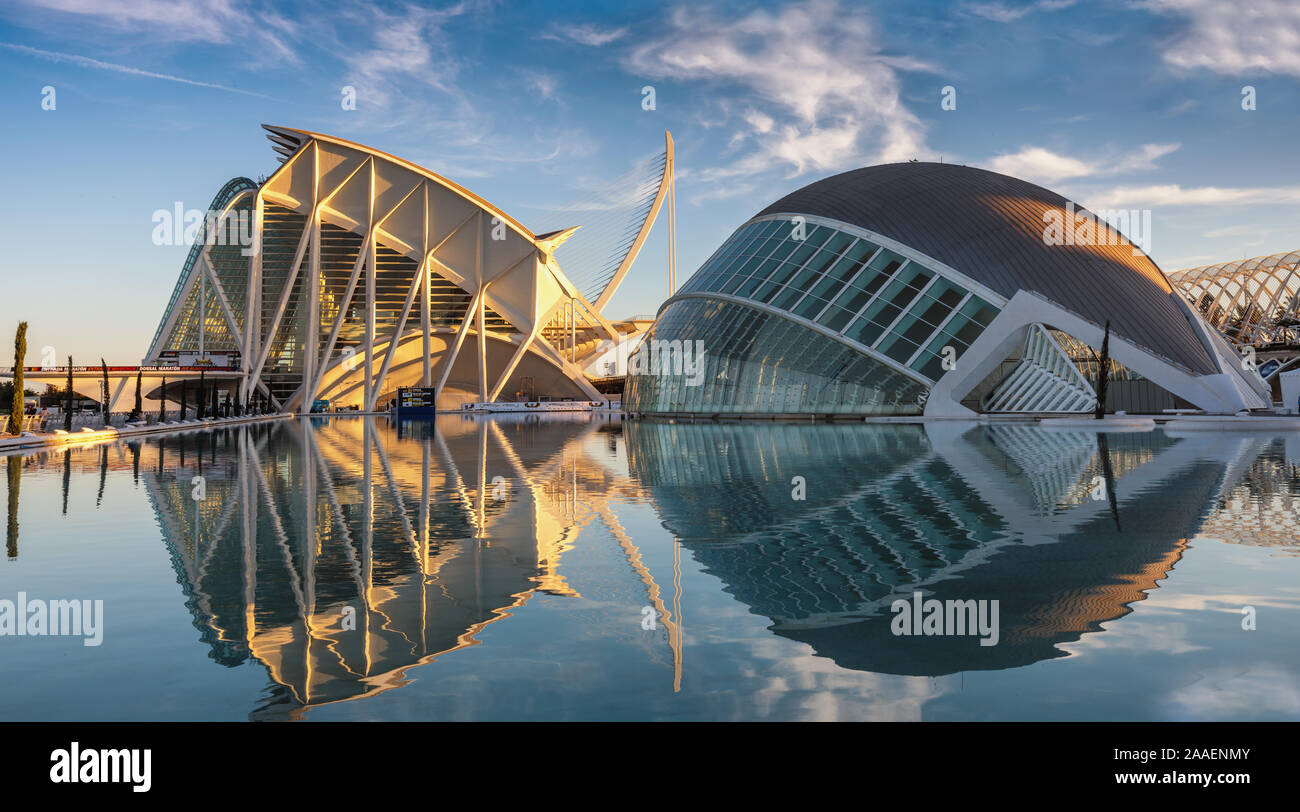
470, 606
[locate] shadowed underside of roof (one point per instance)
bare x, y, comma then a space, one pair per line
990, 227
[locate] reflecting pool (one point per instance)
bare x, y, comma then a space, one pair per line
587, 567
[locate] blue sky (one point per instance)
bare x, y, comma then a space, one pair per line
1132, 104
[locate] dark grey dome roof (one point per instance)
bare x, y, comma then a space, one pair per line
990, 228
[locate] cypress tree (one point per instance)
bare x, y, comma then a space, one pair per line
199, 402
17, 415
215, 411
67, 410
1103, 374
162, 404
108, 419
184, 405
138, 411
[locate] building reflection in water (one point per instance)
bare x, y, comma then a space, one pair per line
340, 552
1002, 512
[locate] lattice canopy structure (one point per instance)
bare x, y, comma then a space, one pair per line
1250, 301
363, 272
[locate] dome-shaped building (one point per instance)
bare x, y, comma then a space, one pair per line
928, 288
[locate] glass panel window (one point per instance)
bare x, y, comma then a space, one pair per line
820, 235
749, 286
930, 312
861, 250
810, 307
802, 253
788, 296
900, 349
785, 248
835, 318
898, 295
864, 331
929, 365
839, 242
979, 310
844, 269
887, 261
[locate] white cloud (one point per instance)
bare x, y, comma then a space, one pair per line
1237, 231
409, 78
1175, 195
1232, 692
1039, 164
543, 84
1043, 166
585, 34
816, 90
1262, 36
1144, 159
215, 21
406, 46
1002, 13
95, 64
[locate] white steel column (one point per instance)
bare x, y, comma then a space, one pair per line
478, 314
672, 234
252, 300
203, 311
370, 293
312, 342
461, 332
426, 318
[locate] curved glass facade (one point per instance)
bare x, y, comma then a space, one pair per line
896, 308
756, 362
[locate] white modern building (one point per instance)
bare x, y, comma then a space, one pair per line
363, 273
939, 290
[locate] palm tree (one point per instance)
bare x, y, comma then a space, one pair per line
17, 414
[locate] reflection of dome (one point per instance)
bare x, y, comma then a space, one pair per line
858, 293
893, 509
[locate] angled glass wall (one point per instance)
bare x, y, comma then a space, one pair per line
895, 308
757, 362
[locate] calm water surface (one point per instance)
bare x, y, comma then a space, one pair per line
590, 568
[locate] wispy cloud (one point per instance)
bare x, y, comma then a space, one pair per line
584, 34
1176, 195
544, 84
407, 46
213, 21
1003, 13
1043, 166
1231, 38
87, 62
410, 79
808, 85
